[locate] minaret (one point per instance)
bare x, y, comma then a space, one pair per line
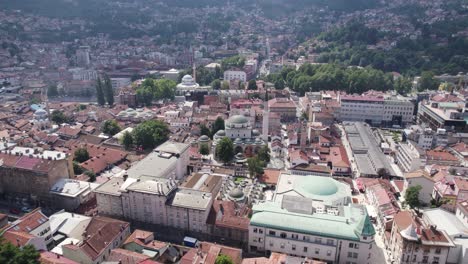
304, 134
266, 117
194, 68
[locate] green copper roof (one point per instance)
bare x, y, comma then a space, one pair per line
318, 186
351, 224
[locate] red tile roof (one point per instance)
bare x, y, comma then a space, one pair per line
270, 176
17, 238
101, 231
52, 258
123, 256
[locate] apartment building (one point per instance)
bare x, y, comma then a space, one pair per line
410, 156
411, 241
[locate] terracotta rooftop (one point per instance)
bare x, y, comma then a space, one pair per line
101, 231
403, 219
52, 258
29, 222
270, 176
123, 256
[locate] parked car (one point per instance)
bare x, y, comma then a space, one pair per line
26, 209
15, 211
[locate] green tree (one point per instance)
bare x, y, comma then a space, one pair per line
150, 133
111, 127
100, 92
412, 196
91, 175
255, 166
216, 84
403, 85
81, 155
127, 140
144, 96
59, 117
10, 254
52, 91
108, 90
225, 150
264, 154
204, 149
77, 169
205, 130
225, 85
252, 85
217, 125
428, 81
223, 259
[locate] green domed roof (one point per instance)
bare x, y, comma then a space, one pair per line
322, 186
238, 119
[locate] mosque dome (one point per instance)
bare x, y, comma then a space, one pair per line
204, 138
238, 119
236, 194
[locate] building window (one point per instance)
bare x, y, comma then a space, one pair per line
329, 253
305, 238
317, 251
350, 254
260, 231
318, 240
282, 245
294, 236
272, 233
255, 230
435, 260
438, 250
355, 255
305, 249
365, 238
329, 241
425, 259
283, 235
293, 247
351, 245
414, 258
356, 246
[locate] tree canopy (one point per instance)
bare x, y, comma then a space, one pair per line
204, 149
111, 127
158, 89
225, 150
150, 134
252, 85
255, 166
81, 155
59, 117
100, 92
412, 196
223, 259
428, 81
217, 125
10, 254
127, 140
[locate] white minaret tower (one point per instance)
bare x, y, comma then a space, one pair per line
266, 117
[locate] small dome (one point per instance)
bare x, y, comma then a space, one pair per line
236, 193
130, 110
255, 132
40, 113
187, 79
203, 138
238, 140
238, 119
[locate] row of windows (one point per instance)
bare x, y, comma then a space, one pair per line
317, 240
